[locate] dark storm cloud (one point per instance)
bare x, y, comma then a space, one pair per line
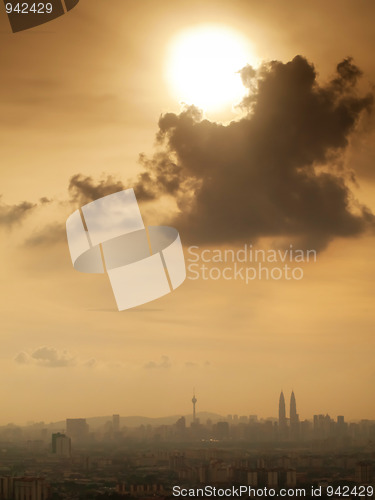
13, 214
272, 173
83, 189
348, 74
160, 172
276, 172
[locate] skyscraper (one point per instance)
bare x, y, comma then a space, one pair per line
116, 423
294, 418
283, 429
77, 429
293, 408
282, 414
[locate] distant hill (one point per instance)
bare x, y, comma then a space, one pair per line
136, 421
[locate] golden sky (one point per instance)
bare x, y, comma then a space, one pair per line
83, 94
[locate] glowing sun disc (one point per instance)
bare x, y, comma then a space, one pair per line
203, 65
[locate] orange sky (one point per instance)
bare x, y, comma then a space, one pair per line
83, 94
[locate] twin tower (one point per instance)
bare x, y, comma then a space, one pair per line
293, 415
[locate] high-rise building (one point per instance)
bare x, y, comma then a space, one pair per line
294, 418
22, 488
33, 488
282, 413
180, 427
77, 428
116, 423
293, 407
363, 472
61, 445
283, 428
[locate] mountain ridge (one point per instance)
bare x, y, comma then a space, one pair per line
137, 420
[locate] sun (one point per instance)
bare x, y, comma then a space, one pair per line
203, 66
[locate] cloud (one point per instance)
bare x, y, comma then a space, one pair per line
275, 172
46, 356
51, 357
83, 189
164, 363
90, 363
48, 235
14, 214
191, 364
44, 200
22, 358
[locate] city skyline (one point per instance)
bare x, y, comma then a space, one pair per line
326, 456
282, 418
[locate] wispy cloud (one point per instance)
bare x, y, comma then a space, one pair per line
14, 214
48, 235
50, 357
163, 363
83, 189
